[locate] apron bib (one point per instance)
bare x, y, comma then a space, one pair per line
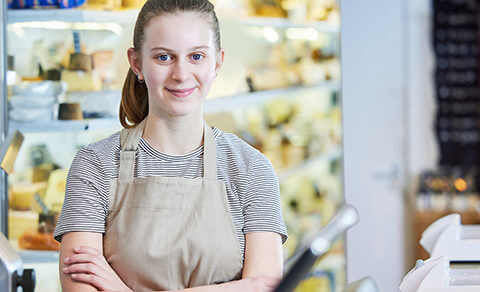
168, 233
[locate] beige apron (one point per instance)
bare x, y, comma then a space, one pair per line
165, 233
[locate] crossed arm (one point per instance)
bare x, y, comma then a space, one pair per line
83, 267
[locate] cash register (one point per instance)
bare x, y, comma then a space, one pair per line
454, 263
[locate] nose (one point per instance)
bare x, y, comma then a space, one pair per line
180, 71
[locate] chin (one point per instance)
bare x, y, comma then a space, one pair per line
183, 111
174, 107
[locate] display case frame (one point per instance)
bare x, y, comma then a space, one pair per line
3, 116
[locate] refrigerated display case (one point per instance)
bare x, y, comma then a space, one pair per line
279, 90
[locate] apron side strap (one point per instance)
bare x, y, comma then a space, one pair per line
127, 165
209, 154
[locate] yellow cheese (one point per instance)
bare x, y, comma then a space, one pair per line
21, 196
104, 4
133, 3
314, 284
82, 80
55, 193
19, 221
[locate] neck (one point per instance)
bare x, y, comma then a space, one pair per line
174, 136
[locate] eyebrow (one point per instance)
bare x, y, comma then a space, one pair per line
169, 50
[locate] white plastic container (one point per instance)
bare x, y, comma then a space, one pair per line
438, 275
447, 237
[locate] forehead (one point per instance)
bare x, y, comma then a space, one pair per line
178, 31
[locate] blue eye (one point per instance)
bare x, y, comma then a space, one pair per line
164, 58
197, 57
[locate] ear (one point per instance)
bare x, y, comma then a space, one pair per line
135, 62
219, 62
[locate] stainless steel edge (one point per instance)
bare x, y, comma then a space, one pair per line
3, 116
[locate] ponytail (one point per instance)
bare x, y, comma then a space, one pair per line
134, 103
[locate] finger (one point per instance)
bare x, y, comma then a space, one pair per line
90, 250
80, 258
87, 249
83, 268
85, 258
98, 261
93, 280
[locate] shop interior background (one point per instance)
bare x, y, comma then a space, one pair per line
361, 81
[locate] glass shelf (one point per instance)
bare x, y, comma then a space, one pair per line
214, 105
127, 16
39, 256
239, 101
71, 15
58, 125
284, 23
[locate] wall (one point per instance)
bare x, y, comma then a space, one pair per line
422, 145
389, 110
374, 99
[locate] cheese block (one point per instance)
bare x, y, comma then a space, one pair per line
82, 80
102, 62
21, 196
55, 193
133, 3
104, 4
70, 111
19, 221
80, 61
34, 239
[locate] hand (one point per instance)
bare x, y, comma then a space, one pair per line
262, 284
89, 266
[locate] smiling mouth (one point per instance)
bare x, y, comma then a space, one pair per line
181, 92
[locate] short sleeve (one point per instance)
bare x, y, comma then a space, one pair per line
262, 210
86, 196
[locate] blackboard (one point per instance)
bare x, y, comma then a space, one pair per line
455, 44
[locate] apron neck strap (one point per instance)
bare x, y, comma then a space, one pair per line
209, 153
129, 139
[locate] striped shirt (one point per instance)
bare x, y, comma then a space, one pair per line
252, 186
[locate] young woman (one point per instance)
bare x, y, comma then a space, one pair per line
169, 203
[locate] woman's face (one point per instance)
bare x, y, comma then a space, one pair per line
179, 63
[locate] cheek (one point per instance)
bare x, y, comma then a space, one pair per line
206, 74
154, 77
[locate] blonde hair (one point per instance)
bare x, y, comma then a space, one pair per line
134, 103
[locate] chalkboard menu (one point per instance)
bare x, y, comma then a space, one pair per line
455, 43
